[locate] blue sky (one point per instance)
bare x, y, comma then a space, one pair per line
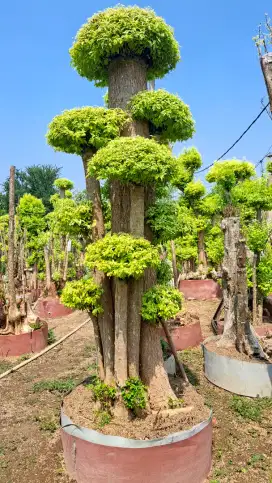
219, 76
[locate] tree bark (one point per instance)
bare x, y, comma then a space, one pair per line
174, 263
47, 268
173, 350
202, 260
94, 195
99, 349
14, 316
254, 290
266, 66
66, 259
121, 327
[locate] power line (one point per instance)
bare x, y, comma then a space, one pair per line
237, 141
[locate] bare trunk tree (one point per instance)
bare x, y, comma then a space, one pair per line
121, 329
266, 66
47, 268
94, 195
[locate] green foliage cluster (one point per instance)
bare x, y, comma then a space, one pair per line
194, 191
64, 184
161, 303
51, 338
77, 130
164, 272
70, 218
254, 193
269, 166
214, 245
162, 218
187, 163
61, 386
134, 394
37, 180
31, 214
168, 116
126, 32
102, 392
227, 173
82, 294
122, 256
133, 160
264, 272
257, 236
186, 247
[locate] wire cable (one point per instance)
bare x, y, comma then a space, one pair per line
236, 142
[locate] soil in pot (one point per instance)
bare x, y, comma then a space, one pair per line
183, 319
233, 353
81, 408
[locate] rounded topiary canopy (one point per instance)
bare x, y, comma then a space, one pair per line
78, 129
122, 256
166, 113
83, 294
194, 191
161, 303
227, 173
187, 163
127, 32
64, 184
133, 160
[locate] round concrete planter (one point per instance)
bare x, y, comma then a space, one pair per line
51, 308
178, 458
200, 289
185, 336
17, 345
250, 379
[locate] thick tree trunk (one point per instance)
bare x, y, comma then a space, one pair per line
121, 328
174, 263
174, 352
266, 66
47, 268
14, 317
202, 260
99, 349
152, 369
94, 195
66, 259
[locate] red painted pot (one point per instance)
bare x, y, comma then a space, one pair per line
17, 345
51, 308
92, 457
185, 336
200, 289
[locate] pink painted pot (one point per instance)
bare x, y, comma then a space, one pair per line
200, 289
185, 336
93, 457
51, 308
17, 345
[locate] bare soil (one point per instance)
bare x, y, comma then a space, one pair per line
81, 409
183, 318
242, 447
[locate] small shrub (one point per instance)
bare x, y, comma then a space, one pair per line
51, 339
102, 392
36, 326
250, 409
102, 418
175, 403
161, 303
134, 394
46, 424
24, 357
54, 386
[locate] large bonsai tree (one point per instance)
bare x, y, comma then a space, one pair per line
123, 48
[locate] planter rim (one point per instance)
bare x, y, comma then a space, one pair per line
217, 337
95, 437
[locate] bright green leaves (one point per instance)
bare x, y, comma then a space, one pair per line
80, 129
187, 163
166, 113
194, 191
122, 256
257, 236
83, 294
31, 214
254, 194
64, 184
227, 173
161, 303
134, 394
70, 218
133, 160
127, 32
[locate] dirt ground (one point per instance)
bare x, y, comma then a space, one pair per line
30, 448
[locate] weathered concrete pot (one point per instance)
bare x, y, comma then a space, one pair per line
185, 336
51, 308
200, 289
183, 457
17, 345
250, 379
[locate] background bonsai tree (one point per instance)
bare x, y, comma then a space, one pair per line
237, 329
263, 41
123, 48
